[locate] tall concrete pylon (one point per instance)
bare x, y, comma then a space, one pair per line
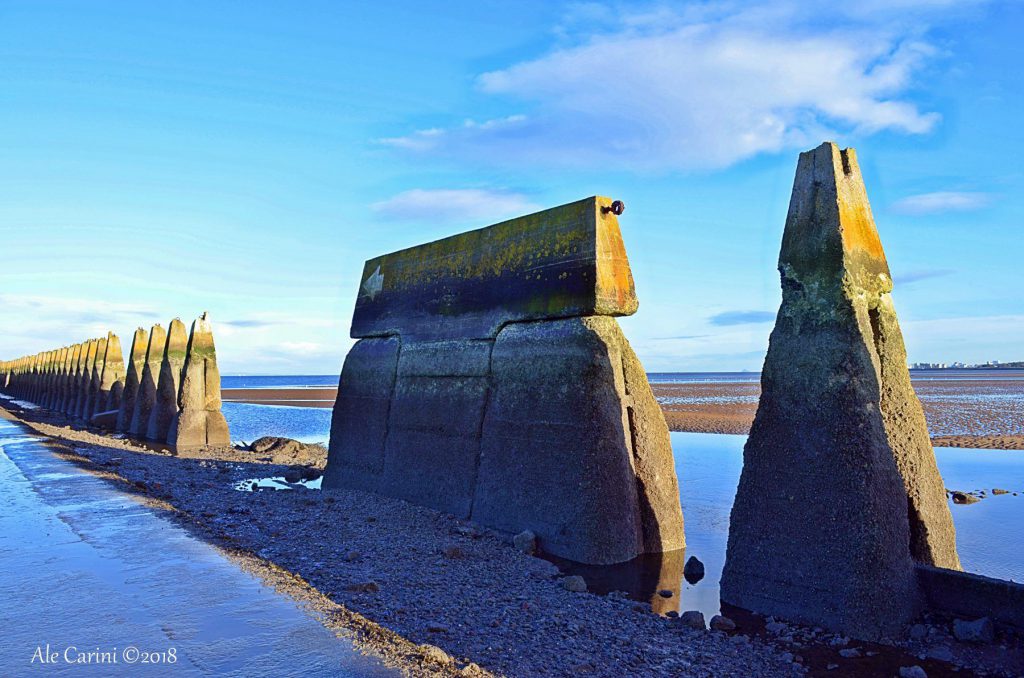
95, 379
71, 390
146, 398
199, 421
111, 379
60, 400
840, 494
85, 379
166, 403
132, 378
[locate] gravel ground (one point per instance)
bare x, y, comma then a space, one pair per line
406, 580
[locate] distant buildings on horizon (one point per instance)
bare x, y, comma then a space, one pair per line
992, 364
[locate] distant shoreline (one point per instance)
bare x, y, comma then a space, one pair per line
729, 407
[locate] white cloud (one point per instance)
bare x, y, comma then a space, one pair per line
704, 86
448, 205
941, 201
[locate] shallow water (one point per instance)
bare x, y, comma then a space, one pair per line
85, 567
708, 465
305, 424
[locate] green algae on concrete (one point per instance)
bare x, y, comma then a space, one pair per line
165, 407
840, 494
561, 262
466, 347
199, 421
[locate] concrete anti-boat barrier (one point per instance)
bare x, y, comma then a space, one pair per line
172, 362
199, 421
90, 382
491, 381
132, 379
840, 494
145, 401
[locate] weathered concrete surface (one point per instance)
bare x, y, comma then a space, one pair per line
145, 400
571, 415
475, 390
562, 262
111, 382
67, 399
132, 379
173, 362
972, 596
820, 530
92, 393
83, 380
199, 421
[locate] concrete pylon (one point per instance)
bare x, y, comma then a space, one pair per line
132, 378
840, 493
53, 382
111, 380
92, 393
457, 393
71, 389
166, 404
199, 421
61, 397
84, 381
146, 398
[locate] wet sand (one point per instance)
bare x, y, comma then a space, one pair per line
961, 413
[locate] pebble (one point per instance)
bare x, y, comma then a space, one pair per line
525, 541
665, 593
693, 619
977, 631
914, 671
574, 583
722, 623
693, 571
918, 631
849, 652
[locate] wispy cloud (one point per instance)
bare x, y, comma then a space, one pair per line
742, 317
941, 201
703, 86
454, 205
911, 277
249, 323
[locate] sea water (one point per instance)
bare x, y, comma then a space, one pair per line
708, 466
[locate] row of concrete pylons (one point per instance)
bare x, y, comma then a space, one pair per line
167, 392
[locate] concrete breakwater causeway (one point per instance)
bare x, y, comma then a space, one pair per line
167, 393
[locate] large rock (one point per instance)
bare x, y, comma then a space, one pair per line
199, 421
840, 493
165, 407
145, 400
132, 379
489, 382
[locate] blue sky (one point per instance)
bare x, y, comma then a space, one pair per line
245, 158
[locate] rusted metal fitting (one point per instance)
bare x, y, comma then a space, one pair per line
617, 207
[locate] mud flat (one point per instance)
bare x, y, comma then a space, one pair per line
418, 588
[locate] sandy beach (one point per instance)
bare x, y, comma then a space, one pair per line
991, 416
